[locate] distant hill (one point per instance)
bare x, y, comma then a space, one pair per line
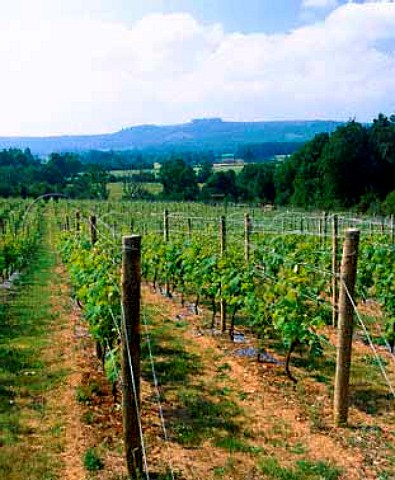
200, 134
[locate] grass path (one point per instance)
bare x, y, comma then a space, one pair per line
29, 444
40, 433
56, 408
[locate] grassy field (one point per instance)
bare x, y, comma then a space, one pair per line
217, 167
116, 189
220, 167
123, 173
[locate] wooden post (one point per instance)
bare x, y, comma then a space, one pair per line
247, 232
93, 229
335, 269
222, 233
77, 221
166, 239
324, 229
223, 253
189, 228
166, 225
392, 223
67, 225
346, 315
130, 338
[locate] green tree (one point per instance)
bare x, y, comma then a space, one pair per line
66, 164
345, 166
382, 138
178, 180
284, 176
307, 185
389, 204
221, 184
256, 182
204, 173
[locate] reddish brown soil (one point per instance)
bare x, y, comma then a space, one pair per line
96, 423
280, 416
283, 421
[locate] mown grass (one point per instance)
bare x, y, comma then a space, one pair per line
303, 470
116, 189
25, 377
196, 414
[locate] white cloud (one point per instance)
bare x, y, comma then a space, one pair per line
320, 3
86, 76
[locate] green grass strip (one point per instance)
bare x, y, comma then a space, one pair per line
25, 327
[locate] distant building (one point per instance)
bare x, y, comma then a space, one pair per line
227, 159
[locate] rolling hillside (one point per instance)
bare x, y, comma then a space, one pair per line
214, 134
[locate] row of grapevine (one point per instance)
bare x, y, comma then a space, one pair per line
95, 272
19, 236
273, 292
281, 292
143, 217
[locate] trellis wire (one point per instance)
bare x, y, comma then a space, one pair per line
366, 332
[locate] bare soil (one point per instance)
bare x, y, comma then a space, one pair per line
89, 419
275, 418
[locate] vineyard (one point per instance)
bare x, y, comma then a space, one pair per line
239, 330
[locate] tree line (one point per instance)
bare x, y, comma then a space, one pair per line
23, 175
144, 159
353, 167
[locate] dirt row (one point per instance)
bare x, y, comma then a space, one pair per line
275, 419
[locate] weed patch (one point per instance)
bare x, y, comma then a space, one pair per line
303, 470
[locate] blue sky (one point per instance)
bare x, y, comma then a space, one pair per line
235, 15
95, 66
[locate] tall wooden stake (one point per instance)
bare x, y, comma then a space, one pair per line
93, 229
223, 252
189, 227
324, 228
166, 225
321, 227
77, 220
130, 338
247, 232
335, 269
222, 232
166, 239
346, 315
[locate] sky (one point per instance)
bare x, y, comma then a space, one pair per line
97, 66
